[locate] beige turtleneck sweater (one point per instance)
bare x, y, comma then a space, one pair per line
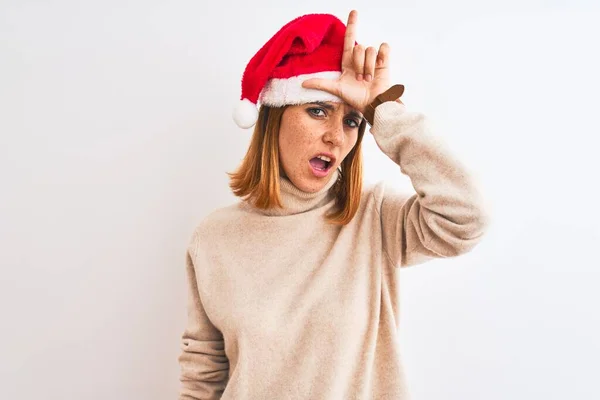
285, 306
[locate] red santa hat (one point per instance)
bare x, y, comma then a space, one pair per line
309, 46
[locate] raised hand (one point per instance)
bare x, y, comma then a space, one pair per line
365, 72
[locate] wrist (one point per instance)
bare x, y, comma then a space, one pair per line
391, 94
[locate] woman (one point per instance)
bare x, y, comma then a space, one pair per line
293, 290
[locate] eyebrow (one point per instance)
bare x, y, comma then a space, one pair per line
328, 106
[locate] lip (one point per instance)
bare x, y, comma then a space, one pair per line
322, 173
331, 156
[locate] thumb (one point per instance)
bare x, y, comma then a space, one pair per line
327, 85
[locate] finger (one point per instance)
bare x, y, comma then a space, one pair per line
327, 85
349, 38
358, 57
370, 59
383, 56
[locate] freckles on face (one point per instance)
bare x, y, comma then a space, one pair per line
302, 135
298, 134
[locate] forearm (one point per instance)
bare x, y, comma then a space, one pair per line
447, 215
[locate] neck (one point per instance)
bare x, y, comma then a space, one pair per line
296, 201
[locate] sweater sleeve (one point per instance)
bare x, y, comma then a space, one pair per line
446, 216
203, 363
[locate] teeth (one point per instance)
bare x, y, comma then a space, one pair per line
324, 158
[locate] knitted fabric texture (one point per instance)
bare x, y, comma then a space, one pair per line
283, 305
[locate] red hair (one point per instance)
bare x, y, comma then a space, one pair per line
257, 178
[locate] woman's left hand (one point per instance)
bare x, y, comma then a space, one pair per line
365, 72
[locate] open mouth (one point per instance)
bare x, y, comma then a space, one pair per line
319, 164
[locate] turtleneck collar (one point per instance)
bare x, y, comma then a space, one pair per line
296, 201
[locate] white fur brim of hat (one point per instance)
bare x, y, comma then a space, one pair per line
279, 92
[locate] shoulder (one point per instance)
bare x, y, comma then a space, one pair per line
214, 225
374, 192
381, 192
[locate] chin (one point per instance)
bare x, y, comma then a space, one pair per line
314, 184
308, 181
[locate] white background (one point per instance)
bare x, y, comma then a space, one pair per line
116, 133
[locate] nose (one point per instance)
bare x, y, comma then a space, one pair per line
335, 133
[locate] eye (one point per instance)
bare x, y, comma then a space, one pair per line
311, 110
353, 121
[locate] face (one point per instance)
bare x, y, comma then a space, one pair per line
308, 130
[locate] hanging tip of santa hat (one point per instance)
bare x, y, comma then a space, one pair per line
245, 114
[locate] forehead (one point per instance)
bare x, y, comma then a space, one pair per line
337, 104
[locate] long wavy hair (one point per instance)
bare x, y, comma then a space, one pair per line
257, 177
